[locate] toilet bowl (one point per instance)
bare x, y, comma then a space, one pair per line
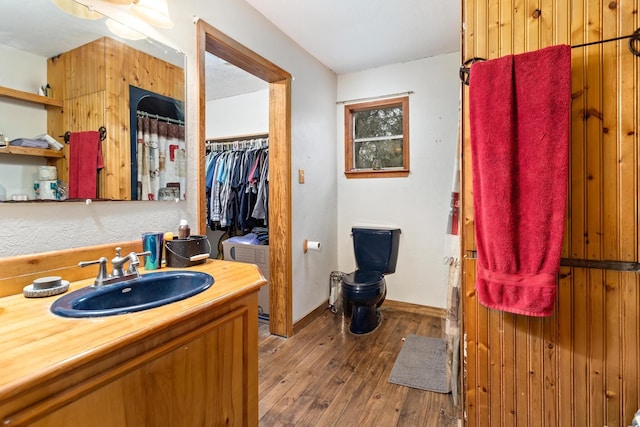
364, 290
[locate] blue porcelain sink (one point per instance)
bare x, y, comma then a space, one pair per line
148, 291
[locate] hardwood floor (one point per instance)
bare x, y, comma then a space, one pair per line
326, 376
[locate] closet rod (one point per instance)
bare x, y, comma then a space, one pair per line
238, 138
158, 117
256, 143
465, 68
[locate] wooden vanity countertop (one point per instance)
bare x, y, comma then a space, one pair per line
37, 345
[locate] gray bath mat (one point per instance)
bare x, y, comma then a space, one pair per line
422, 363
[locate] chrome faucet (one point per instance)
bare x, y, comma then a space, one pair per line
118, 273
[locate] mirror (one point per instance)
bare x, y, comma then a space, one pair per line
86, 74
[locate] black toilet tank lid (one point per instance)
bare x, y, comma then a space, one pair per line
376, 228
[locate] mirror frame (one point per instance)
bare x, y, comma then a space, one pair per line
211, 40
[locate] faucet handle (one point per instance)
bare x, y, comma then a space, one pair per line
102, 260
134, 261
102, 272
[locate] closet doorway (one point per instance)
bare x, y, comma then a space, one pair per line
215, 42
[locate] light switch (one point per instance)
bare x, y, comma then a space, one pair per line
301, 176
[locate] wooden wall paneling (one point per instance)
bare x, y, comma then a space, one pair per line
85, 112
630, 374
532, 25
506, 22
596, 351
549, 369
470, 48
613, 349
470, 350
483, 374
580, 366
609, 131
116, 145
121, 124
520, 18
56, 74
564, 346
85, 69
522, 362
614, 222
490, 339
628, 137
593, 126
108, 67
580, 346
508, 362
494, 346
576, 215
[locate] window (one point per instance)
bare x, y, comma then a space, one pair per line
376, 139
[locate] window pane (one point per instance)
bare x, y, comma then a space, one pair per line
379, 154
378, 122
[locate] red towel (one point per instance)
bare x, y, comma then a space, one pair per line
519, 112
85, 158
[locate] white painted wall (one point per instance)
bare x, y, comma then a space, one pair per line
238, 115
418, 204
29, 228
18, 119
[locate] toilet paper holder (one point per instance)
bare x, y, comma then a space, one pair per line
310, 245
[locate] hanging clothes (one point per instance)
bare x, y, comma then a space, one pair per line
237, 186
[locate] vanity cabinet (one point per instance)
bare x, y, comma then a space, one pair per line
189, 363
195, 379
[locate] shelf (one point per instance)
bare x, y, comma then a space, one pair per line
26, 151
29, 97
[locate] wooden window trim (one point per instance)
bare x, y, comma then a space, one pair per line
348, 139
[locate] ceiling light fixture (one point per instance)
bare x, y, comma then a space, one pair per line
153, 12
76, 9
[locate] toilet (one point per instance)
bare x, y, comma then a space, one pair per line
364, 290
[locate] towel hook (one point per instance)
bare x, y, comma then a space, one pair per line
465, 69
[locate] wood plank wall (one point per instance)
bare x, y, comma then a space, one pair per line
95, 90
579, 367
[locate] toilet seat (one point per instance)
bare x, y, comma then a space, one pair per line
360, 279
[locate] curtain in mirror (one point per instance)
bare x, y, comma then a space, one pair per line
161, 158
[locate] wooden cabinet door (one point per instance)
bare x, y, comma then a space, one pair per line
206, 377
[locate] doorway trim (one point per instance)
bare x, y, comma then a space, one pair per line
211, 40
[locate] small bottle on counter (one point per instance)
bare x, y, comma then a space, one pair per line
183, 230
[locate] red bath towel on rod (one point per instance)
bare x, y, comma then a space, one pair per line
85, 158
519, 112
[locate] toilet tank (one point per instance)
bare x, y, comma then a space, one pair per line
376, 248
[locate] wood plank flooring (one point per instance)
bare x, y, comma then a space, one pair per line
326, 376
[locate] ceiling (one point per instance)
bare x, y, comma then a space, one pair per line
355, 35
349, 36
345, 35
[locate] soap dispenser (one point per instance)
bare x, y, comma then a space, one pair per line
183, 230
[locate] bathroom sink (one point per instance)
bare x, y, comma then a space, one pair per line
137, 294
